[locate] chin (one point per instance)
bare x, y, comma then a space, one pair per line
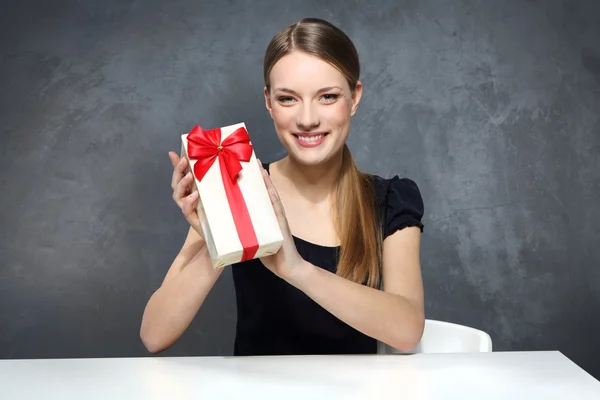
309, 161
311, 157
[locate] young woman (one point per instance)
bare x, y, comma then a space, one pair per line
348, 273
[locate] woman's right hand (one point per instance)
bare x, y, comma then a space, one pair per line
182, 191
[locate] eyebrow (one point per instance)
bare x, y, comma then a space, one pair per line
325, 89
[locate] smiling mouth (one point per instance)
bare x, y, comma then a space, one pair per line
310, 137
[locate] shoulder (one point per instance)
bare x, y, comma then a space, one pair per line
400, 203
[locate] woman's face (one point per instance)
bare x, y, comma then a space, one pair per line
311, 104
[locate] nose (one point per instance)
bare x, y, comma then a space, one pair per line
308, 117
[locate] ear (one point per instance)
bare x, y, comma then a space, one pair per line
267, 100
356, 95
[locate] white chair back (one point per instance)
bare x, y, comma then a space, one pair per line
446, 337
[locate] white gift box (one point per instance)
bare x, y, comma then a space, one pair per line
216, 217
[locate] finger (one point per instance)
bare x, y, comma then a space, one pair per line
176, 176
178, 172
279, 211
188, 206
183, 186
273, 195
276, 202
174, 158
267, 179
268, 183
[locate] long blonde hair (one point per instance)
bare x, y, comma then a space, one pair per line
356, 218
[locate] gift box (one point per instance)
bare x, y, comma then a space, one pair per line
236, 214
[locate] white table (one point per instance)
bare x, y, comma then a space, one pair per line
498, 375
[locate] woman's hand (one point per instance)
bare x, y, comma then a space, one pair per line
182, 191
287, 261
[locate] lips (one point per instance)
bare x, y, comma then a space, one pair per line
310, 139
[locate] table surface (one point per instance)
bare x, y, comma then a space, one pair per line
497, 375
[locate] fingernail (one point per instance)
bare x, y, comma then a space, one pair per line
194, 194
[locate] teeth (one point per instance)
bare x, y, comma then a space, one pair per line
310, 138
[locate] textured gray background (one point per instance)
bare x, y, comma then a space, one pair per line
491, 107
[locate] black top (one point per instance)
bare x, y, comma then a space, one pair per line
275, 318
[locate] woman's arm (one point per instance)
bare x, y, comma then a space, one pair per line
395, 315
174, 305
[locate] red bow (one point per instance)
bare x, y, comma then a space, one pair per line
205, 147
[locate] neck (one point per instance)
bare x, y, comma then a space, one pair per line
317, 183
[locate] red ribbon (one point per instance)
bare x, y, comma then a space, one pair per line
205, 147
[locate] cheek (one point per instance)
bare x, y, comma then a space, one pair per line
338, 114
282, 115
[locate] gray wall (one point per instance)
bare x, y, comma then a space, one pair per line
492, 107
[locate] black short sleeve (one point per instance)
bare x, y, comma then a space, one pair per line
404, 206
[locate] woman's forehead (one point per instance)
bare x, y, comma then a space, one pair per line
304, 70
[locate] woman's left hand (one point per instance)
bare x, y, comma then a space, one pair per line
287, 261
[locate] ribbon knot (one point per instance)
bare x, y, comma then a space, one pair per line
205, 146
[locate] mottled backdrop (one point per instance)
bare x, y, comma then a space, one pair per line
493, 108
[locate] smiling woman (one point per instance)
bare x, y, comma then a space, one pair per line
312, 90
348, 273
